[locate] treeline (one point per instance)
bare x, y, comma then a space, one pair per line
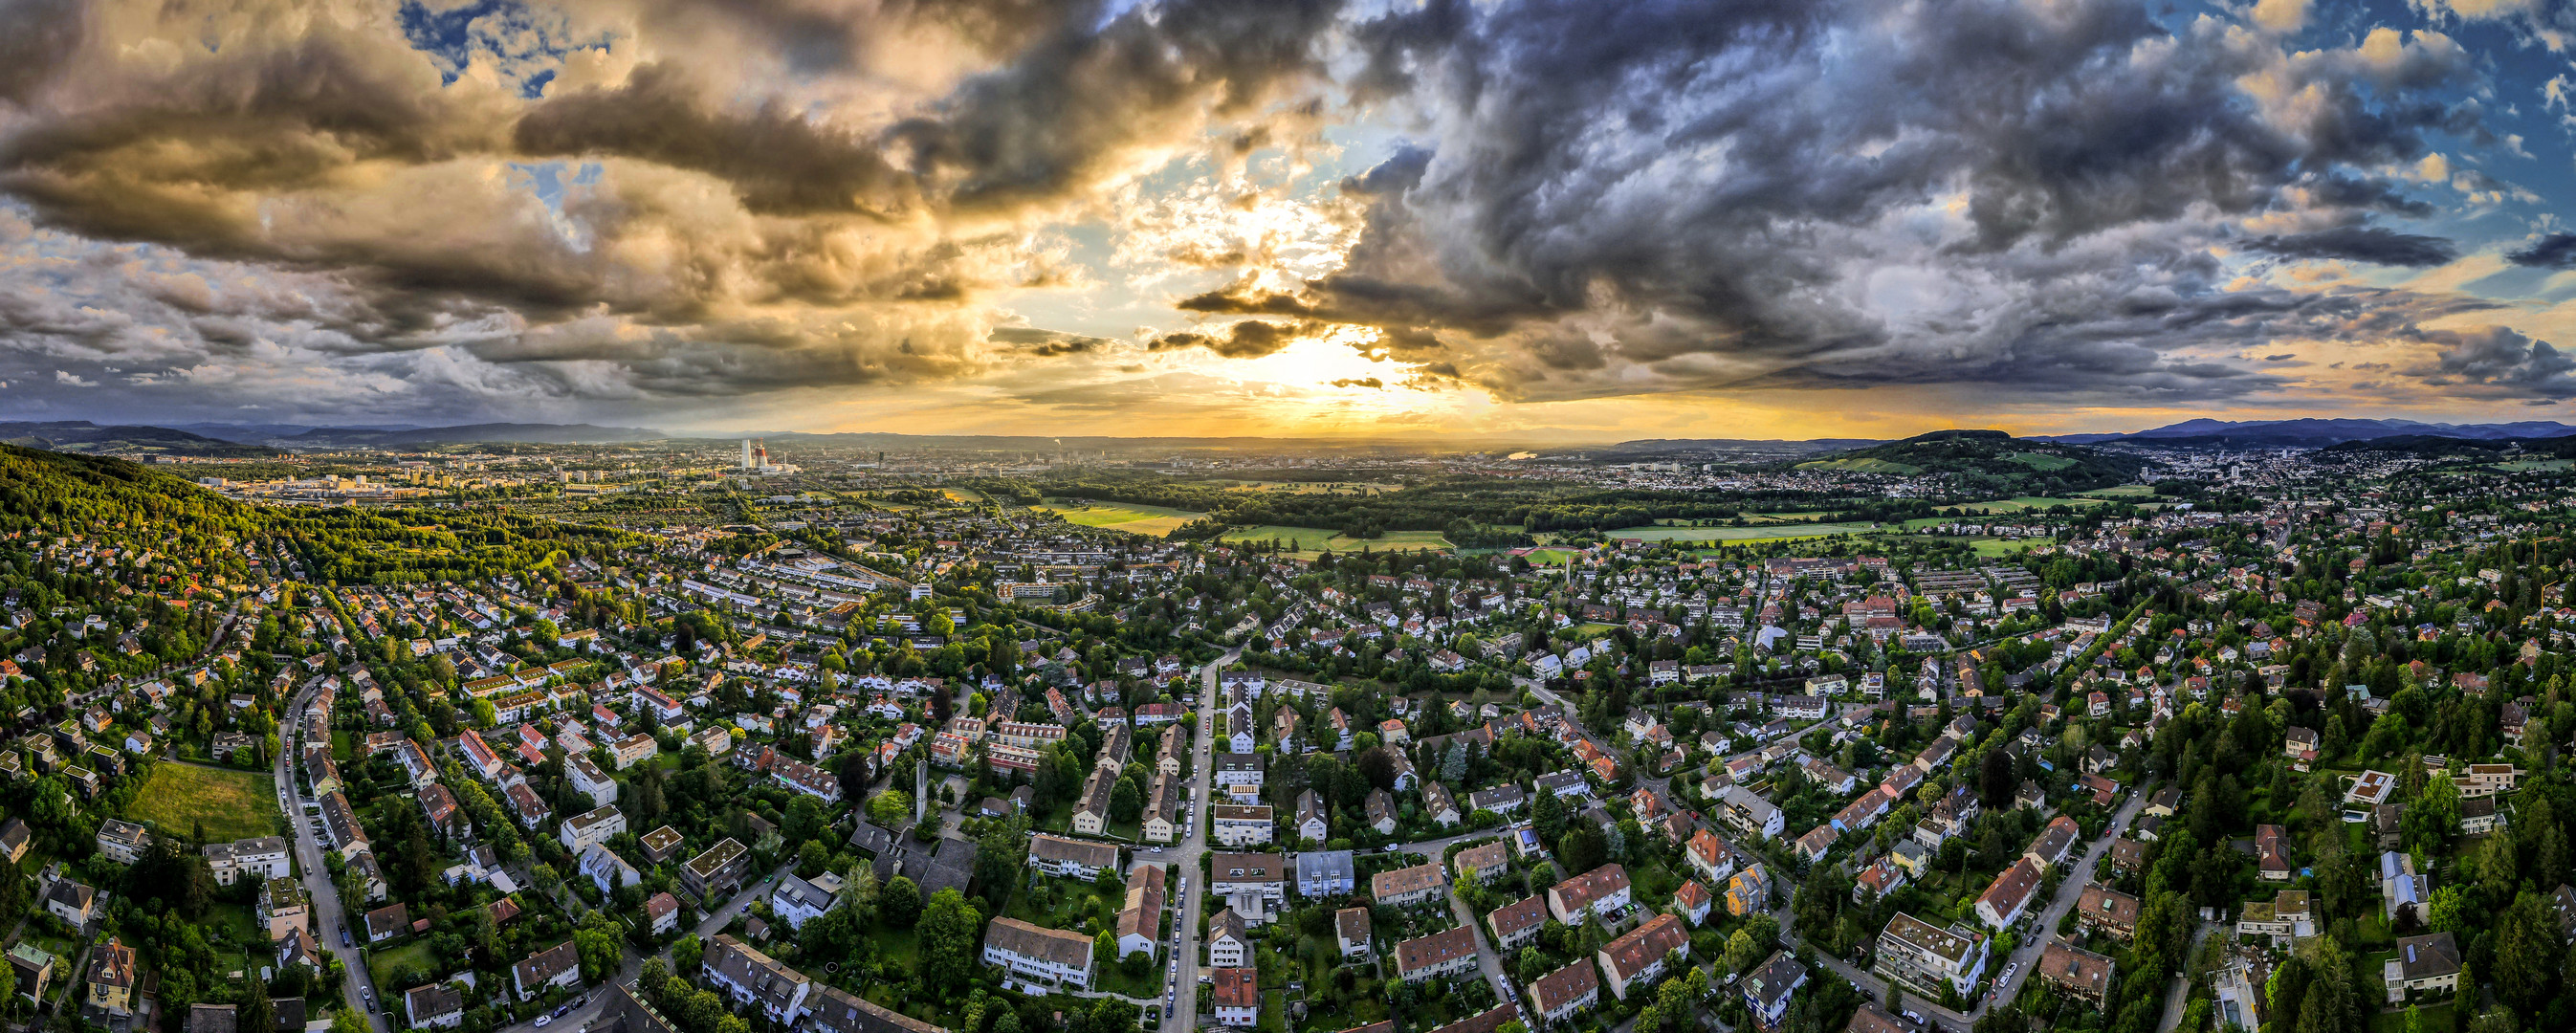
1473, 512
54, 492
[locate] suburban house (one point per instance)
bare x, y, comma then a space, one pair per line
559, 965
1404, 886
1053, 956
1602, 889
2004, 901
2075, 971
1557, 995
1638, 955
1917, 953
1448, 952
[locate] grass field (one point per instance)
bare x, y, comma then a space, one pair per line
1758, 533
2125, 491
233, 804
1310, 540
1120, 516
2527, 465
1315, 487
2041, 460
414, 956
1861, 465
1549, 557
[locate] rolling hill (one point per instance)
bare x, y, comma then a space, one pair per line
2029, 465
84, 437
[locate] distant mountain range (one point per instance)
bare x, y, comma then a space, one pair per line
84, 436
2316, 433
227, 439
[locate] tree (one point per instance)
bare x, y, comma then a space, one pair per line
596, 943
1995, 780
900, 902
1125, 801
890, 808
950, 928
1547, 817
253, 1011
2526, 954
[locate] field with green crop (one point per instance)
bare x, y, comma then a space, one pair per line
1311, 540
1122, 516
1858, 464
1756, 533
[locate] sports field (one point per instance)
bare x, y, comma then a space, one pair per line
1122, 516
1310, 540
233, 804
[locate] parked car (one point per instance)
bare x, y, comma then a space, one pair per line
543, 1020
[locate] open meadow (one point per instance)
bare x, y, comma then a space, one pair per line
1156, 521
1307, 541
232, 804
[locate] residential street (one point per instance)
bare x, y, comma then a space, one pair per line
328, 913
2041, 931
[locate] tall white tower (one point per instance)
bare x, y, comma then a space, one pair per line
746, 453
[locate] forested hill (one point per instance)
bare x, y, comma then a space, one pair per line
122, 503
2009, 464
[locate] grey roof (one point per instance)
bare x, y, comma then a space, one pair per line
1327, 865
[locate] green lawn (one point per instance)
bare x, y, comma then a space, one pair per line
2438, 1018
1113, 978
2125, 491
232, 804
1156, 521
408, 957
1310, 540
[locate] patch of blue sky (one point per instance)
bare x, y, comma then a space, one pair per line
549, 183
525, 46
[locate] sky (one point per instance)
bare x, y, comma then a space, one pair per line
1528, 220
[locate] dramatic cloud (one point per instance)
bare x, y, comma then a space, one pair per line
2374, 244
531, 207
2500, 362
2555, 251
775, 199
1664, 196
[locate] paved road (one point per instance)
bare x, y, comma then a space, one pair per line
328, 914
1183, 972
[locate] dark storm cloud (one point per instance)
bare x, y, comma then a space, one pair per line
36, 36
1716, 191
2378, 245
2555, 251
2500, 362
779, 162
841, 244
1049, 120
1249, 339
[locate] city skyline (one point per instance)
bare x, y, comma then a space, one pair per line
1551, 222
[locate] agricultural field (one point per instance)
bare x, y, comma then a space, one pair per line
1315, 487
2041, 460
232, 804
1312, 540
1756, 533
1156, 521
2125, 491
1861, 464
